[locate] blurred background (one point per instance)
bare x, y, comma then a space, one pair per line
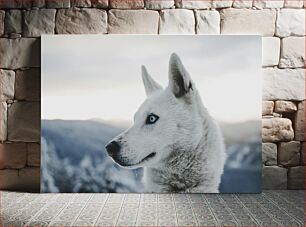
84, 107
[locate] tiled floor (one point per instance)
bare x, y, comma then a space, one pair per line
271, 208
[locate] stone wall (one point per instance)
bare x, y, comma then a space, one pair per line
280, 22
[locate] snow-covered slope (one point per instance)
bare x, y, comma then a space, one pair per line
74, 158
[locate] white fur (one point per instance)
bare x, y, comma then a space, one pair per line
188, 144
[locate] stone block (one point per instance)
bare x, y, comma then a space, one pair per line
38, 22
9, 179
270, 51
191, 4
208, 22
274, 177
24, 122
290, 22
248, 21
159, 4
221, 3
277, 129
299, 122
81, 21
13, 155
80, 3
293, 52
296, 177
293, 4
133, 22
38, 3
20, 53
56, 4
283, 84
2, 15
33, 158
242, 4
3, 121
269, 154
15, 4
285, 106
27, 86
13, 21
289, 153
177, 21
99, 3
25, 180
303, 158
7, 81
126, 4
262, 4
267, 108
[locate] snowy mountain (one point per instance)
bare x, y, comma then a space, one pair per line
74, 158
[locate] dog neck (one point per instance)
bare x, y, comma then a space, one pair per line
181, 171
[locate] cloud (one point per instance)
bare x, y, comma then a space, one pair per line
93, 66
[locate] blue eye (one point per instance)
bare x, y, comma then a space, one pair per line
151, 119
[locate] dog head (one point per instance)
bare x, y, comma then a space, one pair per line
167, 120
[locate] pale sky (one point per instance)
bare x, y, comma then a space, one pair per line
99, 76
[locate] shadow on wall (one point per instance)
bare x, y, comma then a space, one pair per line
74, 159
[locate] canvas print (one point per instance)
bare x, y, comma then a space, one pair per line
151, 114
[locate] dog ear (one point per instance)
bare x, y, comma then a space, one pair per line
179, 80
150, 85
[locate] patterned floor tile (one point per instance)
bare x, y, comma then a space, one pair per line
271, 208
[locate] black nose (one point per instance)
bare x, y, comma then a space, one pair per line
112, 148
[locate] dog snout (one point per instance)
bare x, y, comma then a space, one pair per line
112, 148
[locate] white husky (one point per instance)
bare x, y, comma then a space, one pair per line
173, 137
